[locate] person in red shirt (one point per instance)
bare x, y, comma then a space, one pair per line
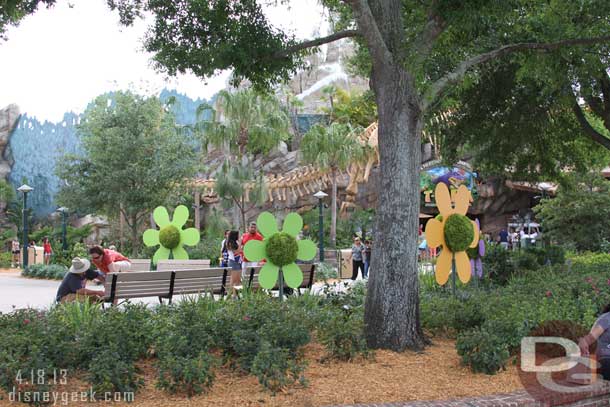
252, 234
47, 250
109, 261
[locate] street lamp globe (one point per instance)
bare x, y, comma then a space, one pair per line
25, 188
320, 195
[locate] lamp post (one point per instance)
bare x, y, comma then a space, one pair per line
321, 195
64, 212
25, 189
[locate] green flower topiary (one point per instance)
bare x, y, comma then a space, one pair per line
282, 249
169, 236
459, 232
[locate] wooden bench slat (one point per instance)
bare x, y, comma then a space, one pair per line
140, 276
140, 264
199, 273
165, 265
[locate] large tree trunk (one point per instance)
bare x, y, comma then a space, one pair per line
392, 302
333, 215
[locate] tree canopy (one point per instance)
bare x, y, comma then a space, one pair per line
13, 11
133, 159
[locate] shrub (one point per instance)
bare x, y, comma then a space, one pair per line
52, 271
325, 271
499, 264
342, 333
483, 351
189, 375
277, 368
206, 249
526, 260
108, 372
6, 260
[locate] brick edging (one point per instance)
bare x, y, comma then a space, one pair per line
598, 396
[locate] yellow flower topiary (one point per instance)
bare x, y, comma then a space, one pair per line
454, 232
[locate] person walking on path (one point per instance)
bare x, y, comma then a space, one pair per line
72, 287
109, 261
224, 256
251, 235
357, 258
47, 250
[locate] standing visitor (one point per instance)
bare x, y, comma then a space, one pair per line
47, 250
367, 257
109, 261
251, 235
16, 251
234, 257
357, 258
600, 333
224, 259
503, 238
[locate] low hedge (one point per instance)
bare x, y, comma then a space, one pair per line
51, 271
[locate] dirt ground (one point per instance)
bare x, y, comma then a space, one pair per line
433, 374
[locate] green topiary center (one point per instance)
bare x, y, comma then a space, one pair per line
459, 232
169, 237
282, 249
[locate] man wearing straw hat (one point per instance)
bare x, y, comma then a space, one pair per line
72, 288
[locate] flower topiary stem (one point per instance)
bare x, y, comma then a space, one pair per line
453, 272
281, 276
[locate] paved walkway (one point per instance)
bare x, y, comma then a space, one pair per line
20, 292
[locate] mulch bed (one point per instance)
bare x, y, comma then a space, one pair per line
431, 375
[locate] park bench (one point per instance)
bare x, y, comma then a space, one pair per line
169, 265
165, 284
251, 280
140, 264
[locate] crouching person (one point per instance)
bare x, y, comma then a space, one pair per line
72, 288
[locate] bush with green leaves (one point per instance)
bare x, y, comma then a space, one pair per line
6, 260
208, 248
498, 264
483, 351
108, 372
188, 375
342, 334
325, 271
51, 271
277, 368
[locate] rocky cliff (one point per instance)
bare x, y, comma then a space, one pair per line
9, 117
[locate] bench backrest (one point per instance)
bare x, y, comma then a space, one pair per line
198, 281
169, 265
251, 279
166, 283
140, 264
138, 284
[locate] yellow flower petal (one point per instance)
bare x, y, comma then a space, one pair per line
434, 233
443, 266
443, 199
475, 240
462, 265
462, 200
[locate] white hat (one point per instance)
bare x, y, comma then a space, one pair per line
79, 265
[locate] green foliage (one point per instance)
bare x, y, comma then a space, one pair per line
191, 376
334, 146
215, 224
281, 249
275, 368
13, 11
483, 351
252, 123
355, 109
579, 216
136, 137
459, 232
342, 333
325, 271
7, 193
498, 263
6, 259
206, 249
169, 236
52, 271
107, 372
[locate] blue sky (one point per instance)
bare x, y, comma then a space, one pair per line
59, 59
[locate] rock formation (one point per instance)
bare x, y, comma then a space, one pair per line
9, 117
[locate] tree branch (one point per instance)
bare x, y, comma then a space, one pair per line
440, 86
588, 129
433, 29
316, 43
370, 30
